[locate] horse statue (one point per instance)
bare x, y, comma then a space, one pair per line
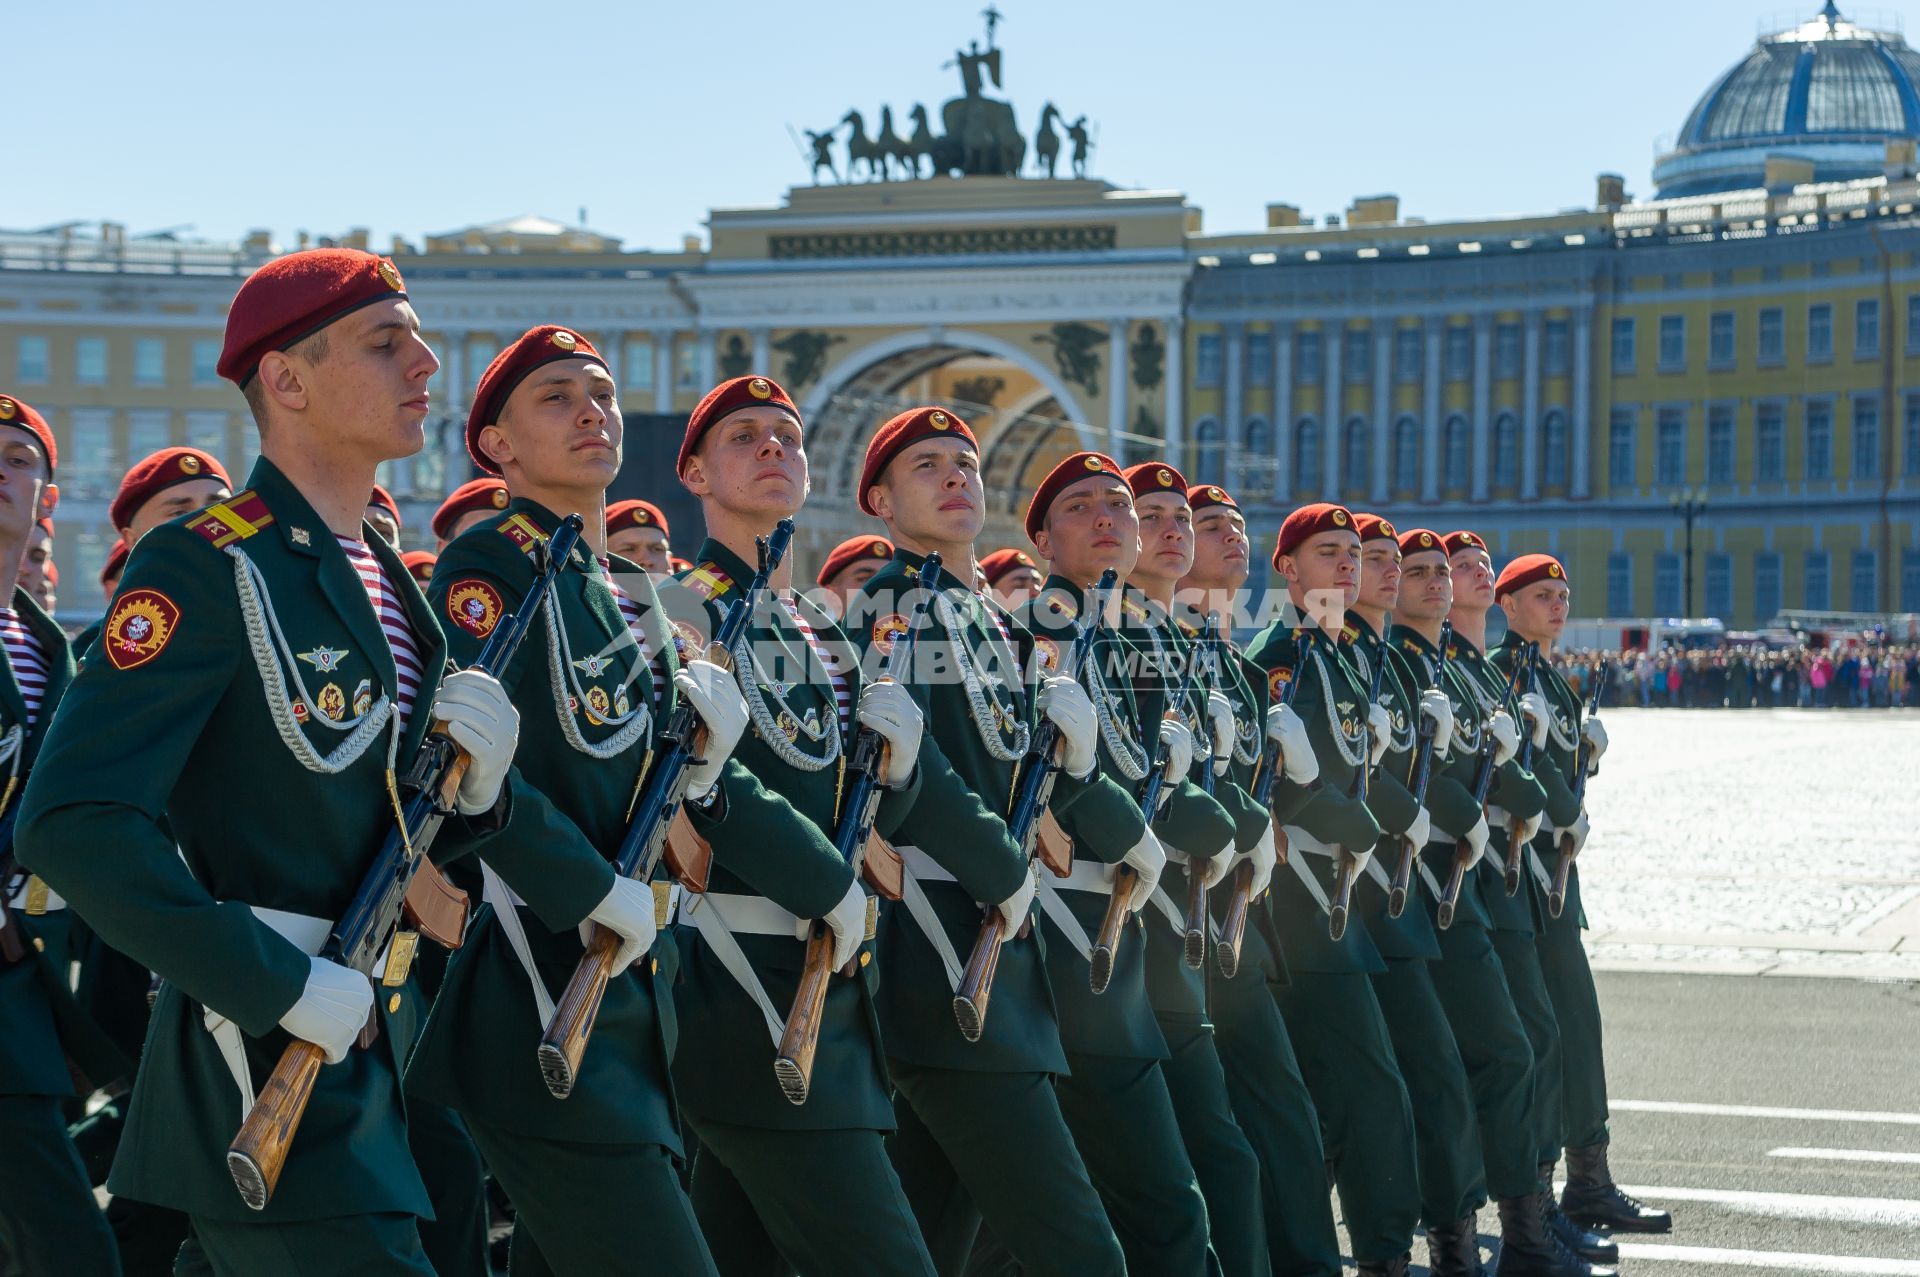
863, 149
1046, 143
894, 148
990, 141
943, 154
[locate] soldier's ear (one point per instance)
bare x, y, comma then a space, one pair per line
49, 499
495, 445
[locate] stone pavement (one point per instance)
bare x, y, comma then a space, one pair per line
1756, 842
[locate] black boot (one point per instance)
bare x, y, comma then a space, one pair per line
1453, 1250
1388, 1267
1528, 1248
1578, 1240
1593, 1199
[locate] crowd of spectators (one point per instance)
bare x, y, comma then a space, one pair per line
1857, 675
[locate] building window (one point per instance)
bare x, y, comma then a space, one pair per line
90, 361
1557, 348
1306, 456
1819, 332
1910, 580
1666, 585
1406, 455
1720, 339
1458, 452
686, 373
1819, 439
1769, 443
480, 353
1553, 450
149, 361
1206, 359
89, 469
1910, 462
1623, 359
207, 431
639, 364
1406, 355
1257, 459
1772, 350
1817, 597
1506, 451
1670, 447
1619, 585
1356, 362
1865, 593
206, 363
1459, 352
30, 368
1720, 443
1866, 437
1620, 448
147, 433
1866, 328
1354, 455
1913, 323
1719, 597
1309, 355
1260, 358
1506, 350
1673, 343
1766, 587
1210, 452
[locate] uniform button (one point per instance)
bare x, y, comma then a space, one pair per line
656, 966
865, 957
393, 1004
39, 944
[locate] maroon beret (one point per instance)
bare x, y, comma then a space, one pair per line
156, 474
536, 348
1458, 541
484, 493
1421, 541
420, 564
1001, 562
678, 564
293, 297
1308, 520
850, 552
728, 397
116, 561
1202, 495
384, 499
1373, 527
1526, 570
1080, 465
906, 428
1150, 477
18, 412
635, 513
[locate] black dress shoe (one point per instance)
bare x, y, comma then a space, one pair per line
1453, 1250
1528, 1248
1593, 1199
1396, 1267
1587, 1245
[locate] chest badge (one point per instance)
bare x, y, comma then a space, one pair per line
324, 659
591, 666
598, 703
332, 702
362, 698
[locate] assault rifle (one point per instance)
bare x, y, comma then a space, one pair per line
1196, 926
1233, 928
1516, 826
1583, 763
1422, 773
1342, 905
1482, 782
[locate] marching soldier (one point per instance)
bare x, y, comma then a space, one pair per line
383, 515
1331, 1010
1269, 1097
49, 1221
809, 1182
419, 565
847, 569
981, 1133
39, 574
110, 576
468, 504
637, 531
1222, 1157
226, 663
1534, 593
1012, 575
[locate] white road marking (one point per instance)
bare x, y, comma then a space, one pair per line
1812, 1265
1847, 1155
1895, 1212
1758, 1110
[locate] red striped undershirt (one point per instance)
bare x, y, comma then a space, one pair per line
630, 612
408, 664
27, 658
842, 697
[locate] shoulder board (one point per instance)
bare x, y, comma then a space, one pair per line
235, 519
1059, 602
520, 530
1188, 628
1133, 609
708, 580
1409, 645
1349, 634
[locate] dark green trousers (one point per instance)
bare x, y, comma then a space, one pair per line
49, 1220
1520, 962
1583, 1065
384, 1245
577, 1205
455, 1239
1366, 1119
1270, 1099
814, 1203
148, 1236
1446, 1130
1123, 1120
1472, 987
1222, 1157
993, 1146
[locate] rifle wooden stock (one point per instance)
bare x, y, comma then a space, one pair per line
793, 1063
1562, 872
1106, 947
1342, 904
1402, 880
1516, 853
1233, 928
565, 1041
1196, 929
976, 982
1450, 896
259, 1152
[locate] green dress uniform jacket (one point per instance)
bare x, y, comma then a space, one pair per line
224, 626
1516, 790
1390, 797
1554, 766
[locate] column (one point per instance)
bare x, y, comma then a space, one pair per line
1530, 410
709, 372
1116, 384
1233, 413
762, 353
663, 370
1283, 412
1332, 410
453, 371
1482, 400
1435, 338
1382, 409
1582, 402
456, 465
1174, 432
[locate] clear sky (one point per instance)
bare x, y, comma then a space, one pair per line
412, 118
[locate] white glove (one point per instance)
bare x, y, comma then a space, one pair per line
1147, 859
1014, 909
1215, 867
1360, 858
1596, 738
848, 922
1533, 706
1579, 829
1476, 838
1067, 706
1286, 733
1420, 832
1506, 737
1179, 751
481, 719
1263, 858
716, 698
627, 911
1500, 818
1220, 717
332, 1009
1435, 705
1380, 730
888, 709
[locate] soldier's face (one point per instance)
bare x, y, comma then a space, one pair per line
1166, 536
466, 521
1091, 527
1538, 612
34, 565
753, 463
931, 493
384, 523
1380, 574
1016, 586
370, 389
1220, 549
1323, 572
1426, 587
647, 547
1472, 580
847, 582
170, 503
559, 429
26, 493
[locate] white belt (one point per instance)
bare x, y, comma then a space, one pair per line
718, 917
1087, 874
1539, 867
1300, 840
917, 866
19, 901
305, 933
923, 866
507, 903
1054, 908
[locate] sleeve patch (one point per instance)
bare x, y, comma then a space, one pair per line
142, 624
1049, 653
475, 606
1277, 681
886, 630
